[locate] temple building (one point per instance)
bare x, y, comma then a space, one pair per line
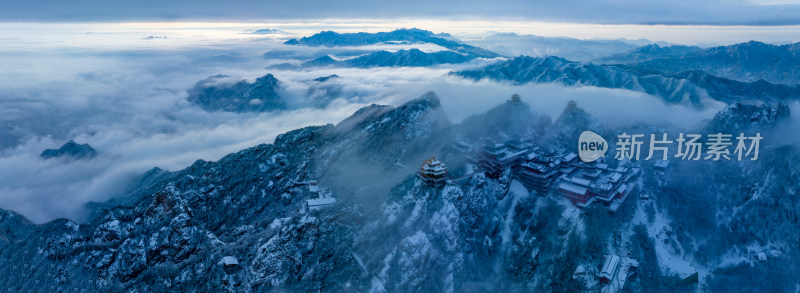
229, 264
538, 173
313, 186
319, 203
544, 170
433, 172
572, 105
609, 270
615, 272
496, 157
608, 186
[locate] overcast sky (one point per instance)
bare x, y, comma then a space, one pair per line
718, 12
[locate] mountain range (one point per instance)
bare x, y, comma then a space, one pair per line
342, 208
413, 35
688, 88
646, 53
241, 223
688, 75
399, 58
584, 50
749, 62
408, 58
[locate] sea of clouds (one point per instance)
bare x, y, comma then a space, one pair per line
125, 95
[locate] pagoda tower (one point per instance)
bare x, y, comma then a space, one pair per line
433, 172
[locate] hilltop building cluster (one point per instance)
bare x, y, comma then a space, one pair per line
543, 170
580, 182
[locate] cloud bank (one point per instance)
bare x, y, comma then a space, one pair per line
129, 103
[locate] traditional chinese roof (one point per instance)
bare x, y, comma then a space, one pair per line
581, 181
572, 188
615, 177
321, 201
230, 261
433, 166
318, 203
609, 266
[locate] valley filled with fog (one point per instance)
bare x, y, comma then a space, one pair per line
124, 92
335, 155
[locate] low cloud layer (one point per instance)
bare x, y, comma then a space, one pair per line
130, 104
